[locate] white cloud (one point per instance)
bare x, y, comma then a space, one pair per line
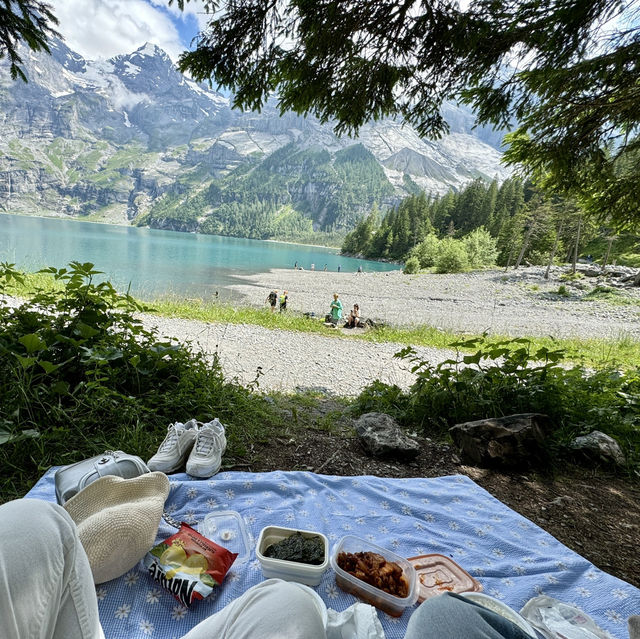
194, 8
104, 28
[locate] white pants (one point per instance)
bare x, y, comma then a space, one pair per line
47, 590
46, 585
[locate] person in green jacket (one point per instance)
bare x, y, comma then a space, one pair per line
335, 311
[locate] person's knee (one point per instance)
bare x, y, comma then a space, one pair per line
31, 518
296, 596
445, 613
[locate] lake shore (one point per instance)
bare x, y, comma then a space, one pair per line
492, 301
512, 303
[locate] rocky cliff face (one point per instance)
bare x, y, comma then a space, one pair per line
115, 140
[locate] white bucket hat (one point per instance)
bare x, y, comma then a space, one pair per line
118, 520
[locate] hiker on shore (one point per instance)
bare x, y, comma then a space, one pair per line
272, 298
335, 310
283, 301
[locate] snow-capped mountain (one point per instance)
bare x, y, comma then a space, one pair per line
131, 139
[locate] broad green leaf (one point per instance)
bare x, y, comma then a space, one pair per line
32, 342
60, 388
7, 436
26, 362
86, 331
48, 366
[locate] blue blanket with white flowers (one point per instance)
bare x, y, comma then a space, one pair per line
513, 558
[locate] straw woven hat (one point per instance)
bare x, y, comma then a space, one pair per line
118, 520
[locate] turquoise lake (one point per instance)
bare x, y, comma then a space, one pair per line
159, 263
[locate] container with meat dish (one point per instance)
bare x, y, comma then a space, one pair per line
375, 575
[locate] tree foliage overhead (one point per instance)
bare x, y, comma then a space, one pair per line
24, 20
567, 71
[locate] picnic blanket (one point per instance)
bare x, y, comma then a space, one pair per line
513, 558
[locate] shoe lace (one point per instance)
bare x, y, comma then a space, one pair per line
207, 440
170, 440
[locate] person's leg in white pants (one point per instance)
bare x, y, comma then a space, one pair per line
45, 579
273, 609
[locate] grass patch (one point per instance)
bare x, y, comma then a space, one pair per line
506, 377
623, 352
612, 296
79, 374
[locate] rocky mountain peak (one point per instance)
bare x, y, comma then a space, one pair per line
131, 138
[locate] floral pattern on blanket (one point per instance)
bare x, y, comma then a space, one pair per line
513, 558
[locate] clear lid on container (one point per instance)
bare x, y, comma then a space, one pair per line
227, 529
438, 573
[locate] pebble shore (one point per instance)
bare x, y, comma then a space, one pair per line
507, 303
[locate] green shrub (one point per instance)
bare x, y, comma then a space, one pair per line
562, 290
452, 258
411, 266
79, 373
507, 377
427, 251
481, 248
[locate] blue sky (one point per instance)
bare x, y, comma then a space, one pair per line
104, 28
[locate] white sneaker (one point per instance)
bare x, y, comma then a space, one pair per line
206, 456
175, 448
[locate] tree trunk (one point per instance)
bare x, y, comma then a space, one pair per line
553, 251
575, 248
525, 244
606, 257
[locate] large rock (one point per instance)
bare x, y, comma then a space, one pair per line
599, 446
502, 441
382, 437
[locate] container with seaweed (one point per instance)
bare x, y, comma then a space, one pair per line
296, 547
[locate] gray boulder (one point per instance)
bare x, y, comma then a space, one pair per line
382, 437
502, 441
598, 446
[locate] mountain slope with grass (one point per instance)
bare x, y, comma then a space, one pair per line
132, 141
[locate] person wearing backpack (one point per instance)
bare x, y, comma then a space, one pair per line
272, 298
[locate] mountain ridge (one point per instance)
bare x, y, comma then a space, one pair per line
131, 140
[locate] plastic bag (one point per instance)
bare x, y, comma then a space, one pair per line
189, 565
557, 620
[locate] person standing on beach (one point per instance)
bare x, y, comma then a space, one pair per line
295, 266
283, 301
325, 267
272, 298
335, 310
339, 267
313, 267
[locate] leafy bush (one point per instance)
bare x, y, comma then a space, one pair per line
508, 377
427, 251
411, 266
481, 248
452, 257
79, 373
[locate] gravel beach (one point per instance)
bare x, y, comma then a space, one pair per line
513, 303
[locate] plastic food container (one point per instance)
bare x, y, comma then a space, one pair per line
438, 573
390, 604
308, 574
227, 529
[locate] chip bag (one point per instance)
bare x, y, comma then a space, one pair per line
189, 565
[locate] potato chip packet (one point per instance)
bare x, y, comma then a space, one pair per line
189, 565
